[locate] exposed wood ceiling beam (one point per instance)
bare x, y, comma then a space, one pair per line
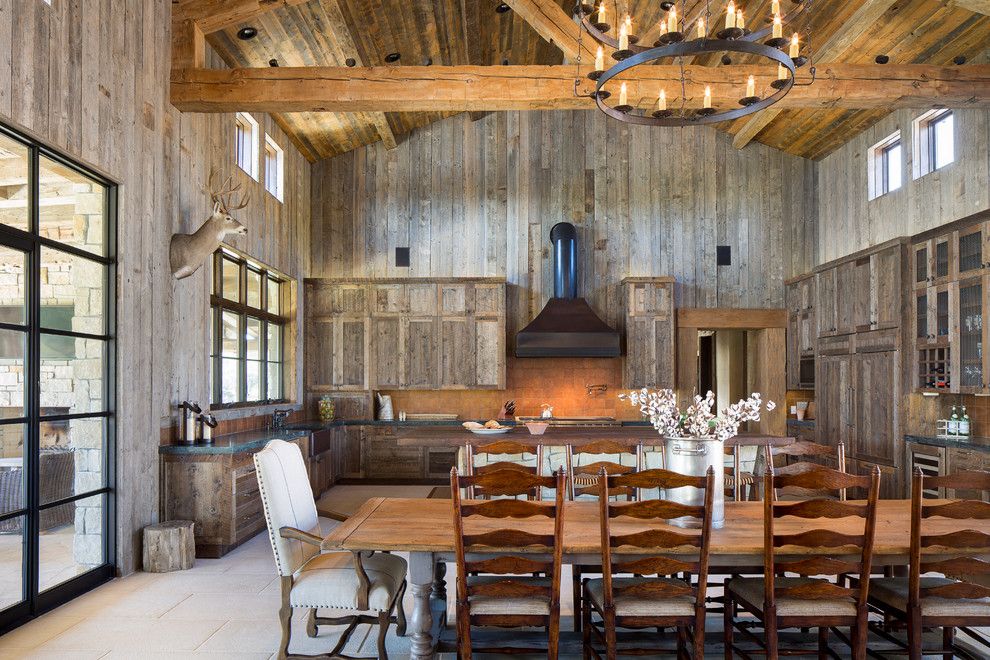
553, 24
214, 15
467, 88
344, 48
978, 6
862, 20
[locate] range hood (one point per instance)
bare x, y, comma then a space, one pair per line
567, 326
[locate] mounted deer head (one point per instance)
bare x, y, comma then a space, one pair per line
187, 252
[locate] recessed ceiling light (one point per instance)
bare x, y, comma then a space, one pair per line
959, 59
246, 33
273, 62
666, 5
882, 59
505, 62
427, 61
726, 60
350, 61
392, 58
502, 8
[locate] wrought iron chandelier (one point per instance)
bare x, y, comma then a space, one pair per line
680, 38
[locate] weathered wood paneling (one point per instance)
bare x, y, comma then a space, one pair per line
479, 199
850, 222
90, 77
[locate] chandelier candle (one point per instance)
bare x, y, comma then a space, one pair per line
730, 16
795, 47
623, 37
751, 87
708, 96
662, 100
701, 28
601, 12
672, 20
623, 95
778, 27
600, 59
775, 7
740, 23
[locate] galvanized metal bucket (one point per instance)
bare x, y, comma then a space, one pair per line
694, 456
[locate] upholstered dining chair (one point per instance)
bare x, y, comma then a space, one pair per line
507, 589
809, 600
961, 597
584, 464
649, 602
370, 585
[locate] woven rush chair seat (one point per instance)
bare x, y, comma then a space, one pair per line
753, 591
522, 605
893, 592
628, 605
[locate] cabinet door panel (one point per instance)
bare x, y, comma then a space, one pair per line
847, 299
967, 459
389, 299
457, 359
876, 393
825, 302
861, 294
420, 352
489, 299
422, 299
319, 353
641, 359
969, 247
489, 353
386, 350
351, 299
456, 299
970, 336
887, 288
351, 357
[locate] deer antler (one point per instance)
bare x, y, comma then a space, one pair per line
223, 194
244, 202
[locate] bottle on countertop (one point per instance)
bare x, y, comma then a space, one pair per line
964, 425
953, 428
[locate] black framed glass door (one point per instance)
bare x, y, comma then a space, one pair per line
57, 324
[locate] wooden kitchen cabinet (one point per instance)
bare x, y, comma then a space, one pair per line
650, 333
959, 460
825, 302
834, 400
877, 395
383, 458
802, 333
405, 334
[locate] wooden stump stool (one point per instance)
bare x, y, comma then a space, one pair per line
169, 546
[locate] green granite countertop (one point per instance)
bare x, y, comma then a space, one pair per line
972, 442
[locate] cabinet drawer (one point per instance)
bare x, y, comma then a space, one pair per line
877, 340
840, 345
383, 458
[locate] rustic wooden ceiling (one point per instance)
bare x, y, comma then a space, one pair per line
459, 32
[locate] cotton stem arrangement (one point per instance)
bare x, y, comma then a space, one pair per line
698, 420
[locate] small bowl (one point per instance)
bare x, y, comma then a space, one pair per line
537, 428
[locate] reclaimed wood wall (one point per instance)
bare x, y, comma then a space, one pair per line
478, 198
90, 78
849, 221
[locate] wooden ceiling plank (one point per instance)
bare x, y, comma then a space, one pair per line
214, 15
977, 6
838, 42
348, 49
553, 24
506, 88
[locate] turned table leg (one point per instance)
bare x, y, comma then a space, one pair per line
421, 577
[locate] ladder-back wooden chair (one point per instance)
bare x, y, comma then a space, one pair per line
959, 599
503, 455
661, 551
583, 481
507, 595
370, 584
736, 479
801, 456
805, 601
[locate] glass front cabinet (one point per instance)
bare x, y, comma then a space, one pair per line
952, 298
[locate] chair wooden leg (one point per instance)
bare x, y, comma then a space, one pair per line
770, 633
576, 595
728, 620
681, 642
384, 619
312, 629
400, 611
610, 635
948, 635
463, 633
285, 618
698, 650
823, 643
586, 628
553, 633
914, 635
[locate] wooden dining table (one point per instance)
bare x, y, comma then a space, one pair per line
424, 529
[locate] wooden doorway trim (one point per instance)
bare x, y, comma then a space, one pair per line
770, 327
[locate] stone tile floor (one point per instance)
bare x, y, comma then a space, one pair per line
222, 608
